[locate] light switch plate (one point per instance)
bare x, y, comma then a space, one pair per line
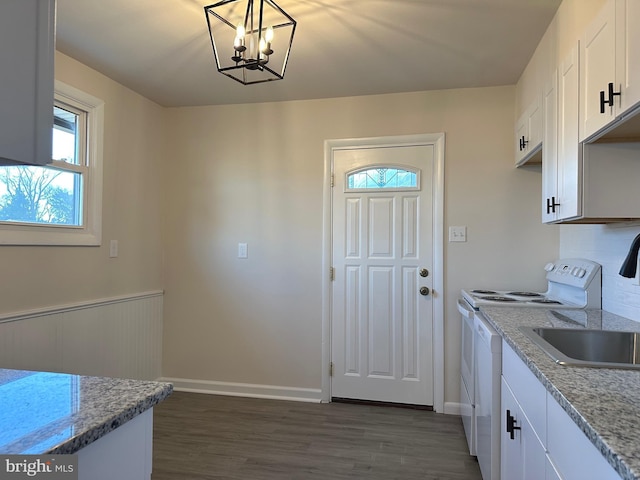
457, 234
243, 250
113, 248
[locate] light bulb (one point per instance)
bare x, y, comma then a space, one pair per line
240, 31
263, 45
269, 35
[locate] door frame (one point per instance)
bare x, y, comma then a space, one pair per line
429, 139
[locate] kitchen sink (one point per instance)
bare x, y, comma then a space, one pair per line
588, 348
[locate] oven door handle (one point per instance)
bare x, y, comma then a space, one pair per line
465, 309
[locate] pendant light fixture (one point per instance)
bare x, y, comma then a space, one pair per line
251, 39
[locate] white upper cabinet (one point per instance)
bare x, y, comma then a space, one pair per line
628, 53
610, 70
529, 132
550, 149
562, 154
26, 80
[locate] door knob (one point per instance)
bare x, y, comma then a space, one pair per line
424, 291
424, 272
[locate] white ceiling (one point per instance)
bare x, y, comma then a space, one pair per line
162, 49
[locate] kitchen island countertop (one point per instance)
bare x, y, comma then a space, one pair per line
603, 402
57, 413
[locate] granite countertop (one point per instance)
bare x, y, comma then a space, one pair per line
604, 403
57, 413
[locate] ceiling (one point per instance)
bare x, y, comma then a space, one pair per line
341, 48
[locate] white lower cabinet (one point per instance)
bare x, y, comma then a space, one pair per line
522, 453
538, 438
570, 451
125, 453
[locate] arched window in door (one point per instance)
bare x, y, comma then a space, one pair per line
383, 177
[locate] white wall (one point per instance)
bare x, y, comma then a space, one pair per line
254, 173
608, 245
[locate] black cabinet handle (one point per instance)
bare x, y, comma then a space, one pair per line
604, 101
612, 94
551, 205
523, 143
511, 425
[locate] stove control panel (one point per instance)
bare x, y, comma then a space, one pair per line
576, 272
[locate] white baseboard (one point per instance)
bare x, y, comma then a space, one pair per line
312, 395
452, 408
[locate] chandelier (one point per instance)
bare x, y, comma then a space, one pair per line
251, 39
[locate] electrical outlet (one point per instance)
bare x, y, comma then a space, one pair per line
457, 234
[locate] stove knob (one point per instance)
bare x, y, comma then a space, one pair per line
549, 267
575, 271
581, 272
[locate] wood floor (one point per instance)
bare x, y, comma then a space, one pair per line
200, 437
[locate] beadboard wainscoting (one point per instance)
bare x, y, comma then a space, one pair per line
112, 337
231, 389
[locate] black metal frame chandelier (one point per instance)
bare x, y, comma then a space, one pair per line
251, 39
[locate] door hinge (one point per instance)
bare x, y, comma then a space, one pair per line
332, 274
331, 369
333, 180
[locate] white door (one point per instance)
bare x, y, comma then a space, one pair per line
382, 248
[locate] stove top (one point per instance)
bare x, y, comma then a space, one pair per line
571, 283
478, 297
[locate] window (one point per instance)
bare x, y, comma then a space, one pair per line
383, 177
61, 203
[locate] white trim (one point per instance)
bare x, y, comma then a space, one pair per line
249, 390
452, 408
91, 233
70, 307
437, 140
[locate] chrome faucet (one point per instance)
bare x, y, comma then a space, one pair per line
630, 264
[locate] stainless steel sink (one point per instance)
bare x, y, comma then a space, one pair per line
588, 348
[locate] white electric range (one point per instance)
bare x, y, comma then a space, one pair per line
572, 283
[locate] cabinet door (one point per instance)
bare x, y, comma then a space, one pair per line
26, 80
569, 195
521, 136
570, 451
534, 119
529, 132
628, 53
597, 70
522, 457
550, 149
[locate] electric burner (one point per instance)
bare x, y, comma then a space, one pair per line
525, 294
499, 298
546, 301
485, 292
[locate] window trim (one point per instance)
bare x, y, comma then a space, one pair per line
90, 234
